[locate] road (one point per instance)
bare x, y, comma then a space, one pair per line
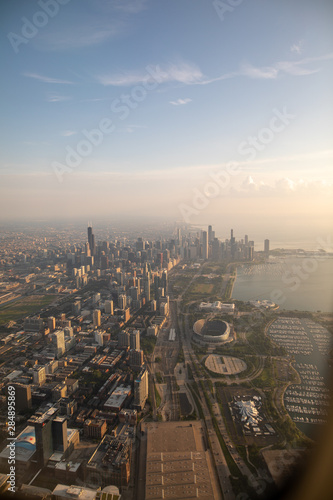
219, 458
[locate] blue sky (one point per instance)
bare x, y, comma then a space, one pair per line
222, 78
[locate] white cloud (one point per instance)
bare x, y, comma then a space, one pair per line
77, 36
282, 186
295, 68
174, 72
181, 102
130, 6
68, 133
47, 79
131, 128
57, 98
266, 73
297, 47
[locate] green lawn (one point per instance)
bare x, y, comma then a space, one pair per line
24, 307
202, 288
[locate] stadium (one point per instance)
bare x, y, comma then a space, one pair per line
211, 331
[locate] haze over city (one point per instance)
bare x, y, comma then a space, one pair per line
166, 250
182, 89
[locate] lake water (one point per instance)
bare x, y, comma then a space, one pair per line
294, 283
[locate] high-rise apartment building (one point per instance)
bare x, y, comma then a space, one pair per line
135, 340
122, 301
51, 323
108, 307
97, 318
123, 339
136, 359
58, 339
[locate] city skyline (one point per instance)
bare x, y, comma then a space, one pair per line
241, 96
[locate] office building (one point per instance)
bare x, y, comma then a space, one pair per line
59, 432
210, 234
204, 245
266, 247
94, 428
91, 240
43, 432
22, 396
216, 250
141, 389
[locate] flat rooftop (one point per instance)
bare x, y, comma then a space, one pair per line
178, 464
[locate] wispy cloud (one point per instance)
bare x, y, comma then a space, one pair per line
297, 47
295, 68
47, 79
131, 128
179, 72
130, 6
282, 186
57, 98
190, 74
68, 133
181, 102
81, 36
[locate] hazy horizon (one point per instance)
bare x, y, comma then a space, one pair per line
224, 121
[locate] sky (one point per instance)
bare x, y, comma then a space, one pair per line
205, 111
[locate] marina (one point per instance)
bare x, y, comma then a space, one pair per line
309, 343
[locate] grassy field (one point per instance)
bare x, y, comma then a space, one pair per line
201, 288
24, 307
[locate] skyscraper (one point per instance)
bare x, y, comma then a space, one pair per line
266, 246
204, 245
210, 234
91, 240
141, 389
